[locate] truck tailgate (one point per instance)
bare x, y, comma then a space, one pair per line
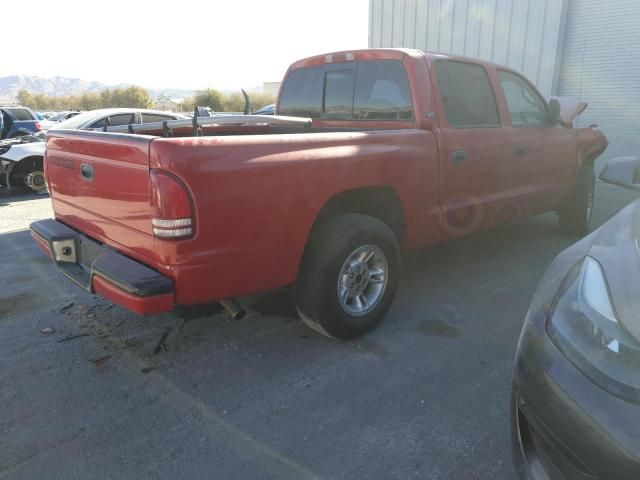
99, 184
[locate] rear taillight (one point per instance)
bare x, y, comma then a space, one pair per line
171, 212
38, 126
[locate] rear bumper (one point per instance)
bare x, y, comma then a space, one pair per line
102, 270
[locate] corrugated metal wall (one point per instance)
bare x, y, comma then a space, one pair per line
523, 34
601, 65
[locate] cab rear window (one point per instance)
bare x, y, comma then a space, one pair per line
370, 90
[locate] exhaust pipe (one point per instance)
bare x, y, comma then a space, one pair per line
233, 308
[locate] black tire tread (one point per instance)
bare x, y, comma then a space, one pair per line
327, 240
572, 215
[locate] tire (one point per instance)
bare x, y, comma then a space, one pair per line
345, 255
575, 214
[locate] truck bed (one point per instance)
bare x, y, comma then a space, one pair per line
255, 195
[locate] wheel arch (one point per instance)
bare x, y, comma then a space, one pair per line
380, 201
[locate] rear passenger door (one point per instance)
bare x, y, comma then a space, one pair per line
543, 154
474, 148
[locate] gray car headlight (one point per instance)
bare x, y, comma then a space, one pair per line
584, 326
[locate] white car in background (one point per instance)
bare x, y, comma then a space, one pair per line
58, 118
22, 159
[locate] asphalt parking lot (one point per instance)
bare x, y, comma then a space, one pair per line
424, 396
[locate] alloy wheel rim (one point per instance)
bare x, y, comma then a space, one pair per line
362, 280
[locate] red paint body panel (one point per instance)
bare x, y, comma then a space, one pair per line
256, 194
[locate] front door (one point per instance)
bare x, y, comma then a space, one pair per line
543, 154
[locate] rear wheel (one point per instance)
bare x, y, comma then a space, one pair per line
575, 214
349, 275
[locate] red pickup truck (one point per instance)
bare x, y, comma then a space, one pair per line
393, 149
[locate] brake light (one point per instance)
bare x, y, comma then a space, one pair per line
171, 212
38, 126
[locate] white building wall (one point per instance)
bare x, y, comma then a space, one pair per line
526, 35
601, 66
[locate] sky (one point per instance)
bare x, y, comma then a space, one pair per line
224, 44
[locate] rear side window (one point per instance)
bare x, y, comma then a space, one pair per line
155, 117
526, 107
115, 120
382, 91
467, 95
21, 114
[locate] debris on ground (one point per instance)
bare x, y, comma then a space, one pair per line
48, 330
148, 369
73, 337
67, 307
99, 361
161, 345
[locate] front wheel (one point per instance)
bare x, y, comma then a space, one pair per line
348, 276
28, 173
575, 214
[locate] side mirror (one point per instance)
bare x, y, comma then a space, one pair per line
622, 171
553, 111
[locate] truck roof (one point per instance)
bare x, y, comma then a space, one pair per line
380, 54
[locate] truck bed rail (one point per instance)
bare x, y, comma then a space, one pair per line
197, 123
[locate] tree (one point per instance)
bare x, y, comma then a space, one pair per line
259, 100
233, 102
26, 99
209, 98
90, 101
130, 97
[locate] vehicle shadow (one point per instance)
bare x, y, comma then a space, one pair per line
18, 195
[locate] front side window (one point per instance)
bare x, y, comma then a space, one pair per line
382, 92
467, 95
526, 107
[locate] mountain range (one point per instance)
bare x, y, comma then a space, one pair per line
60, 86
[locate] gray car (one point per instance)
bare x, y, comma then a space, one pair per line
112, 117
576, 382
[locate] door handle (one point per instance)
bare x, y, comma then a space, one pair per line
519, 151
458, 157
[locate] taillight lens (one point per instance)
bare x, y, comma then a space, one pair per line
171, 212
